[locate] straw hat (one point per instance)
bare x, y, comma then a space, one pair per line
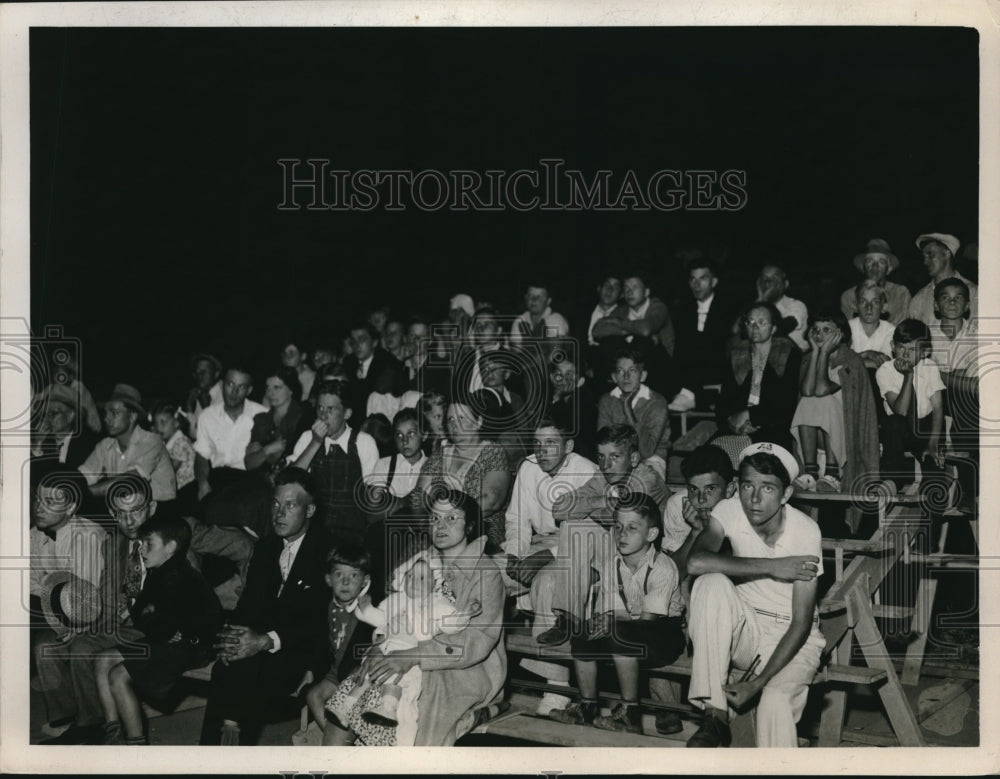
69, 602
948, 240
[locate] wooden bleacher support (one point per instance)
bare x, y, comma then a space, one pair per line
849, 609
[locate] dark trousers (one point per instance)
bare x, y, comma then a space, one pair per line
245, 691
899, 437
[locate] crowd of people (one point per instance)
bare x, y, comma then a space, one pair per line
362, 535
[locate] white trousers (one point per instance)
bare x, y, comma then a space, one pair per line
565, 583
727, 633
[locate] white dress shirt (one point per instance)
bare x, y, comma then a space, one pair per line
553, 325
364, 365
78, 547
926, 381
703, 308
879, 341
599, 313
530, 510
222, 440
285, 562
404, 479
367, 448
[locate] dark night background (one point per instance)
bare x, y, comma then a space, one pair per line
154, 222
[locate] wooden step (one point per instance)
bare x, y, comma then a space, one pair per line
850, 674
693, 438
521, 724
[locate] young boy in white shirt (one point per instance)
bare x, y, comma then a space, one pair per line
913, 393
640, 621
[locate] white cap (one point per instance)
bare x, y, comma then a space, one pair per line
766, 447
463, 302
948, 240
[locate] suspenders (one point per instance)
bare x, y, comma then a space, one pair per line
392, 469
645, 582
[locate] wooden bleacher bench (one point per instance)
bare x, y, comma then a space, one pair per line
695, 437
693, 414
519, 641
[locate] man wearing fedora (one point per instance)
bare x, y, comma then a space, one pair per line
939, 250
60, 435
129, 448
877, 261
65, 666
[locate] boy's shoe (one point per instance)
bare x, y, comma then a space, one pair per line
668, 722
113, 734
557, 634
625, 718
579, 713
828, 483
712, 733
551, 702
805, 482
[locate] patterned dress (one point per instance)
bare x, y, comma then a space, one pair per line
491, 458
182, 456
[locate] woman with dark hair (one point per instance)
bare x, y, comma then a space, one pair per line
276, 430
294, 357
761, 385
837, 409
462, 671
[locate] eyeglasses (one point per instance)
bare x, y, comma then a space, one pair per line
823, 330
757, 322
407, 436
625, 372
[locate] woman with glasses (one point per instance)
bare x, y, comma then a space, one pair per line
836, 412
470, 464
761, 385
462, 671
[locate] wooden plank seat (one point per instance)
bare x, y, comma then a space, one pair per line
693, 414
695, 437
519, 641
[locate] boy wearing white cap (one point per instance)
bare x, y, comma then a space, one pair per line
939, 250
769, 618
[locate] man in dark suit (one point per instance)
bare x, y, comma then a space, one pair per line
702, 323
371, 369
278, 630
